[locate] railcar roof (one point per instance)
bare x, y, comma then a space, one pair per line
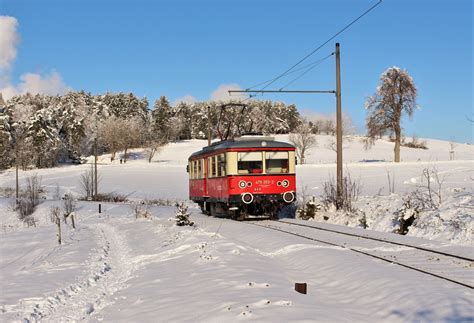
229, 144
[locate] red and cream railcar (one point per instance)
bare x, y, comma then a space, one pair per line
243, 178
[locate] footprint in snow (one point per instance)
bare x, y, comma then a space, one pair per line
284, 303
258, 285
262, 303
89, 309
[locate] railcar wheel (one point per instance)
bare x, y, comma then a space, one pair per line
205, 208
212, 207
235, 215
219, 210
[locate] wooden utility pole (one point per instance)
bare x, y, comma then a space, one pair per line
338, 128
208, 125
95, 169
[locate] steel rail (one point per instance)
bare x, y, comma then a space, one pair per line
366, 254
381, 240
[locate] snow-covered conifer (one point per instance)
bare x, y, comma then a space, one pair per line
182, 215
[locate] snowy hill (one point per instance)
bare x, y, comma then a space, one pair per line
114, 267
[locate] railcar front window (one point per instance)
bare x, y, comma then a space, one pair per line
276, 162
250, 163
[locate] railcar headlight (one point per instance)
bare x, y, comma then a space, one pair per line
242, 184
247, 198
285, 183
288, 197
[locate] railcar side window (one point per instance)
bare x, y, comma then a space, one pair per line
212, 166
249, 163
220, 165
276, 162
199, 168
194, 168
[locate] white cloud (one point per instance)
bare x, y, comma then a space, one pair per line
33, 83
51, 84
222, 94
8, 41
185, 99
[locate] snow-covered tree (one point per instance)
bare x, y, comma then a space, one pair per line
161, 116
182, 215
303, 139
395, 96
112, 133
45, 138
185, 115
132, 135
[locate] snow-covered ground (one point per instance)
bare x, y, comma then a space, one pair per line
114, 267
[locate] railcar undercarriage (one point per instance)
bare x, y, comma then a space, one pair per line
261, 207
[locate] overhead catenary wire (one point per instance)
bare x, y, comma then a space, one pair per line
309, 65
306, 71
306, 68
273, 80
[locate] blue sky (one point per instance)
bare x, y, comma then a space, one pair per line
191, 48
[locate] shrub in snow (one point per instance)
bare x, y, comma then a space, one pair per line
363, 221
415, 143
308, 210
159, 202
432, 184
111, 197
140, 210
413, 204
29, 199
182, 215
87, 183
350, 193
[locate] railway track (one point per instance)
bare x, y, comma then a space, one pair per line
457, 269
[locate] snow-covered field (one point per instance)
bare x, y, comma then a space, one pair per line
114, 267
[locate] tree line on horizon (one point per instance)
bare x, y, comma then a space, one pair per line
43, 130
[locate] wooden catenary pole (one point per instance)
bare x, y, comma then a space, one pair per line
338, 129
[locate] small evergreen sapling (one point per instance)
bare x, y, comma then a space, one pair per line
182, 215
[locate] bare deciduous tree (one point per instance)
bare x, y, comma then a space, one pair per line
395, 96
87, 183
152, 147
302, 139
132, 136
112, 133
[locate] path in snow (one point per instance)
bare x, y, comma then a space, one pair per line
109, 269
